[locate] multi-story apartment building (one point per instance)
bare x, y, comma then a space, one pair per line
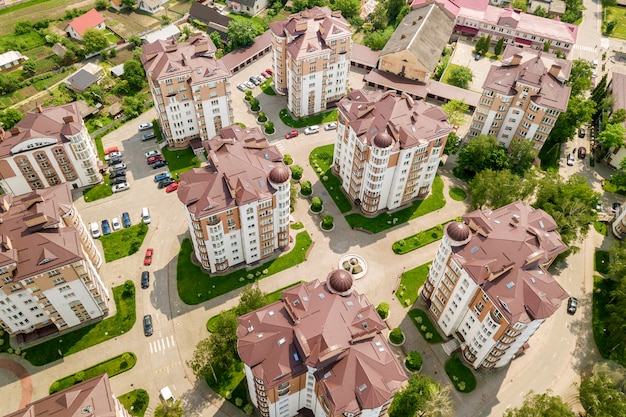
522, 97
237, 206
388, 148
49, 263
318, 352
311, 59
93, 397
489, 287
47, 147
190, 88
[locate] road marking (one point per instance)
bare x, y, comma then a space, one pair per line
161, 344
585, 48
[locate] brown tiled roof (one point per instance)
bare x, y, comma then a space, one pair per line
364, 55
90, 398
338, 335
169, 58
35, 229
506, 256
240, 161
208, 14
410, 122
239, 56
535, 68
618, 91
48, 124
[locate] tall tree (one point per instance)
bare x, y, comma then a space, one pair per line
460, 77
600, 396
541, 405
134, 74
240, 33
482, 152
456, 111
453, 143
94, 40
519, 4
10, 117
495, 189
250, 299
541, 12
521, 155
169, 409
348, 8
393, 8
580, 76
618, 116
579, 111
422, 397
499, 47
612, 136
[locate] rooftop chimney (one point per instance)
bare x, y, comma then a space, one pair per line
15, 130
555, 70
516, 59
39, 108
68, 119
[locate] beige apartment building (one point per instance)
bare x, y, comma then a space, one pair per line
387, 149
190, 88
237, 206
49, 263
311, 59
49, 146
522, 97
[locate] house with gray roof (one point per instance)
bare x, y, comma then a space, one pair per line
249, 7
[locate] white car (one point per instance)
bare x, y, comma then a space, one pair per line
120, 187
117, 167
330, 126
152, 153
95, 230
112, 155
242, 87
145, 126
570, 160
311, 129
115, 224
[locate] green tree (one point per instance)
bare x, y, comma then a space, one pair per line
134, 74
422, 397
128, 3
579, 111
8, 83
378, 17
495, 189
617, 255
612, 136
482, 45
169, 409
217, 41
519, 4
101, 4
29, 68
540, 11
378, 39
296, 172
600, 397
393, 8
453, 143
580, 76
521, 155
135, 40
94, 40
456, 111
348, 8
609, 3
240, 33
618, 116
499, 47
541, 405
250, 299
10, 117
482, 152
546, 45
460, 77
23, 27
216, 354
133, 106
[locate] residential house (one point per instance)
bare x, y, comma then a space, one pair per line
82, 79
489, 287
522, 97
415, 47
617, 90
150, 6
190, 88
237, 206
388, 148
162, 34
11, 60
49, 263
211, 16
90, 20
47, 147
249, 7
319, 351
311, 59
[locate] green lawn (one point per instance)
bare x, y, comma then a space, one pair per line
114, 366
458, 194
427, 329
449, 69
316, 119
231, 385
410, 283
418, 240
384, 221
618, 14
601, 227
461, 376
135, 402
124, 242
266, 87
91, 335
321, 159
195, 286
297, 226
180, 161
601, 261
257, 23
98, 192
26, 41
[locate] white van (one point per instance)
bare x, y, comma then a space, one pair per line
145, 215
95, 230
166, 394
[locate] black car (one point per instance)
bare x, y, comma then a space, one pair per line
582, 132
115, 161
572, 305
147, 325
116, 174
164, 183
145, 279
254, 80
159, 164
117, 180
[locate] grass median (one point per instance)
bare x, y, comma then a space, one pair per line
123, 242
321, 159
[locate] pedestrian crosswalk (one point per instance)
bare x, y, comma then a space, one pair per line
586, 48
160, 345
280, 147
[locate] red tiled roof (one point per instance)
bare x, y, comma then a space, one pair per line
91, 19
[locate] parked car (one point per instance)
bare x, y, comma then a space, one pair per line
126, 219
154, 159
152, 153
311, 130
570, 159
148, 136
269, 71
111, 150
254, 80
172, 187
477, 57
147, 325
330, 126
120, 187
242, 87
582, 152
147, 260
159, 164
165, 182
115, 224
145, 126
266, 74
106, 228
117, 180
115, 161
260, 77
249, 84
572, 305
117, 167
145, 279
95, 230
291, 134
615, 207
112, 155
582, 132
161, 176
117, 174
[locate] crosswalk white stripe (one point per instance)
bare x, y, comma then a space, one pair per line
167, 340
173, 341
151, 351
584, 48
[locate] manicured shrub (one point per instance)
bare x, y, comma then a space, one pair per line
413, 361
383, 310
296, 172
305, 188
287, 159
261, 118
396, 336
316, 204
327, 222
269, 127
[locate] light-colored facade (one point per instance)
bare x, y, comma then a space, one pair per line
90, 20
522, 97
619, 224
11, 59
311, 59
489, 287
93, 397
237, 207
47, 147
190, 88
318, 352
387, 148
48, 264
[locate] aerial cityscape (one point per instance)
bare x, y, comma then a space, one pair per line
285, 208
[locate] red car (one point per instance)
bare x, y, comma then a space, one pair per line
269, 71
111, 150
172, 187
154, 159
147, 260
266, 74
291, 134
